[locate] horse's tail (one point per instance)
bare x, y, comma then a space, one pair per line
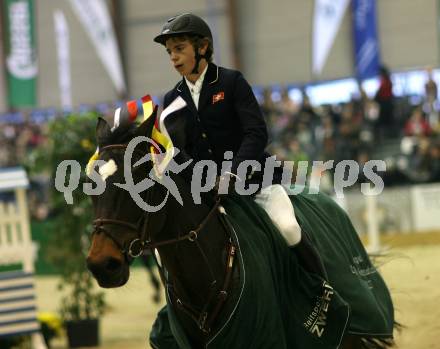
377, 343
380, 343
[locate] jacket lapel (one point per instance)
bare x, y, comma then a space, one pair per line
183, 90
211, 78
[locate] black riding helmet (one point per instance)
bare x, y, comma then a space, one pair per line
189, 24
186, 23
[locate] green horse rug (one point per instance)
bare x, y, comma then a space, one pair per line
292, 305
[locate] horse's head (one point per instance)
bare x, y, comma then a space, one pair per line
119, 221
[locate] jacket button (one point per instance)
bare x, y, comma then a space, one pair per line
204, 135
209, 151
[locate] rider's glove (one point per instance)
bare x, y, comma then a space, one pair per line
225, 183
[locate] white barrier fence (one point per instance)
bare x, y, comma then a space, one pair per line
397, 210
18, 310
15, 239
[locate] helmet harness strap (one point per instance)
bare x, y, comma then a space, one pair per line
198, 58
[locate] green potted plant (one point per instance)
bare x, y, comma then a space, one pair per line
80, 310
71, 138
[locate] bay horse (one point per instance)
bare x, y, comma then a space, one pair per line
231, 281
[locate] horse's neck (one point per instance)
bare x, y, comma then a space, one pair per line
192, 269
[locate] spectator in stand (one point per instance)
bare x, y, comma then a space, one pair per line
436, 128
420, 162
385, 98
271, 114
296, 153
366, 106
286, 109
359, 100
325, 135
363, 157
431, 93
305, 137
267, 105
8, 142
417, 124
286, 105
434, 154
348, 134
307, 111
431, 90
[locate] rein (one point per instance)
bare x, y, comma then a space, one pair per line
138, 245
191, 236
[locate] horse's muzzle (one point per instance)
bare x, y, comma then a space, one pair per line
108, 271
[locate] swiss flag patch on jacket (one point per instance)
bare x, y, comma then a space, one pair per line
218, 97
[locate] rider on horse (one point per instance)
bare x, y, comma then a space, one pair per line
223, 116
237, 285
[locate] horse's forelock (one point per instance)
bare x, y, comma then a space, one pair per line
120, 135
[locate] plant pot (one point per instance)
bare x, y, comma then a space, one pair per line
83, 333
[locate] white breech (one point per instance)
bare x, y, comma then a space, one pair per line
275, 201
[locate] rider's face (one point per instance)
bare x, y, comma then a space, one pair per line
182, 57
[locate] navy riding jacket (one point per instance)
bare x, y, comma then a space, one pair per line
228, 118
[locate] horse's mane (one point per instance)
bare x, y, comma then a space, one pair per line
121, 135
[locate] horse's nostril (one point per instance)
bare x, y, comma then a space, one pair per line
103, 266
113, 264
93, 267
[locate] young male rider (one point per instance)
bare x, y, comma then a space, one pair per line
222, 112
222, 115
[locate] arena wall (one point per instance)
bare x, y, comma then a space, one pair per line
276, 39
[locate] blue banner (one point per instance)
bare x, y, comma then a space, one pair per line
367, 58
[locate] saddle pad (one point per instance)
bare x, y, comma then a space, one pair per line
346, 263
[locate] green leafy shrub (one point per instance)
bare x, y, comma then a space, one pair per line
70, 138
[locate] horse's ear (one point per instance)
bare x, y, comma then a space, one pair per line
103, 131
146, 128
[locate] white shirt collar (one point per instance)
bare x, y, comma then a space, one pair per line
197, 86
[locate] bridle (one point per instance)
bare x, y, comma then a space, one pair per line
99, 224
138, 245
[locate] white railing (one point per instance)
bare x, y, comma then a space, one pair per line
18, 305
15, 239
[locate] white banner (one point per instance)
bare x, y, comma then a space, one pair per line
94, 16
62, 42
327, 19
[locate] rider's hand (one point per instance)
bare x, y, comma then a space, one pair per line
225, 183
